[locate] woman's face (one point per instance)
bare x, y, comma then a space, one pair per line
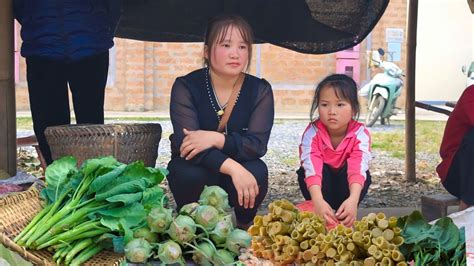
230, 56
335, 113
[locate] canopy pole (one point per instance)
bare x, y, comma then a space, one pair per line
7, 91
410, 151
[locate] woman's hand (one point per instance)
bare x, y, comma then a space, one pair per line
196, 141
246, 186
347, 212
244, 182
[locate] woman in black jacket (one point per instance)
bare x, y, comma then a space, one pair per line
201, 155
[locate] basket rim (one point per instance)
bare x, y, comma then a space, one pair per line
110, 125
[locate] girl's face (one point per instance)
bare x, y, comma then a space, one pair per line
335, 113
230, 56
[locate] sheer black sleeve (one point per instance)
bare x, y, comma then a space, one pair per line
253, 144
183, 114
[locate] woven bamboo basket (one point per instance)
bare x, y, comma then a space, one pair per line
16, 211
126, 142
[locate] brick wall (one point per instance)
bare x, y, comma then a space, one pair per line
145, 72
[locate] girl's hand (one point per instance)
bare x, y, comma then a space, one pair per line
196, 141
323, 209
246, 186
347, 212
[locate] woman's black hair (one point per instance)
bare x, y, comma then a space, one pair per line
344, 87
216, 31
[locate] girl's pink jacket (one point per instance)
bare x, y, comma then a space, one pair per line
316, 149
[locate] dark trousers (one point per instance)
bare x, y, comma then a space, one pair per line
460, 178
334, 187
49, 97
187, 181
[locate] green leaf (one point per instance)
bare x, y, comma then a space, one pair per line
132, 214
415, 225
124, 218
152, 197
58, 175
133, 186
128, 234
57, 172
107, 178
8, 257
88, 167
429, 244
157, 174
111, 222
429, 258
126, 198
462, 235
135, 169
460, 251
448, 235
138, 170
53, 194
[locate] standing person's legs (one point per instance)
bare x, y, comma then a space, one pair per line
334, 187
49, 99
260, 171
87, 80
460, 179
187, 181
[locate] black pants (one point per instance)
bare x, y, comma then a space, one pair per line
49, 98
460, 178
187, 181
334, 187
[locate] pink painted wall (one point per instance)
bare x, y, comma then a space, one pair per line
347, 62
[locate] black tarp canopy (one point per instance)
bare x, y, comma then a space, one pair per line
306, 26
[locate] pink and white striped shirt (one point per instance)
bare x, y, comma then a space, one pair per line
316, 149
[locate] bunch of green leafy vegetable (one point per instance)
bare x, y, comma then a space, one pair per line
88, 209
203, 230
441, 243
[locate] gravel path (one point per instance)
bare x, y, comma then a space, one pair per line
389, 187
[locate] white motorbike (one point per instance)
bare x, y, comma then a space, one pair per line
383, 90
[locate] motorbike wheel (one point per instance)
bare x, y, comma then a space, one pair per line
376, 107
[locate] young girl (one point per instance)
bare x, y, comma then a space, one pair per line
335, 152
202, 154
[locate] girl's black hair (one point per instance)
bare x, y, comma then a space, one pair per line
344, 87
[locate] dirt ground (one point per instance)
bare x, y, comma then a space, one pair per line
389, 186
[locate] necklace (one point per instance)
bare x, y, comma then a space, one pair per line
219, 111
